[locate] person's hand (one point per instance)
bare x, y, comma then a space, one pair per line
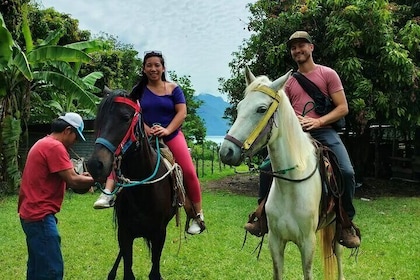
159, 131
148, 130
83, 191
308, 123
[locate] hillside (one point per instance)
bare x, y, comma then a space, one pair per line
211, 111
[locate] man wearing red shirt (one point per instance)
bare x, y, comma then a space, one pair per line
47, 171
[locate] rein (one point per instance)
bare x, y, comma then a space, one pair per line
275, 174
144, 181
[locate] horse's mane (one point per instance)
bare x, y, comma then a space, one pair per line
298, 141
289, 130
106, 106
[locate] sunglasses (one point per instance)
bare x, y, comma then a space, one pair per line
153, 53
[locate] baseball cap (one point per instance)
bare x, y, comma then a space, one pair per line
76, 121
299, 35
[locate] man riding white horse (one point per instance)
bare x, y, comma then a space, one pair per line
319, 126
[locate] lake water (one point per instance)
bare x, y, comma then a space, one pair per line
215, 138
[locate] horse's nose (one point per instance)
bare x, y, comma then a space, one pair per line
95, 168
228, 155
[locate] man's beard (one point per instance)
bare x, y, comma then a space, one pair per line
303, 58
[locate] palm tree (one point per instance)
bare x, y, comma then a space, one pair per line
46, 72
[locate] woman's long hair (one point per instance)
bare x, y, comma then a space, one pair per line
138, 89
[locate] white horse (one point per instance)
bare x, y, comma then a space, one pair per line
265, 118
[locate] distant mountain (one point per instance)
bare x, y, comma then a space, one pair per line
211, 111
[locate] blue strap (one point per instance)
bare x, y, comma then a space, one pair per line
106, 143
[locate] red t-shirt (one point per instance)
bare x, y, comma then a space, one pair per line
42, 189
324, 77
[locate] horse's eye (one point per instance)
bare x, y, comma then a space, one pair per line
126, 118
262, 110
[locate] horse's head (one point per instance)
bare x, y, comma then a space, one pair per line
116, 119
251, 130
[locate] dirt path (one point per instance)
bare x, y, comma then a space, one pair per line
247, 184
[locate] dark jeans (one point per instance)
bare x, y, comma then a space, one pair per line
265, 181
328, 137
45, 261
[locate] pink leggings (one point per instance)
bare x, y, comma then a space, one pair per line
179, 149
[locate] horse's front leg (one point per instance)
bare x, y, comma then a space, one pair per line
158, 242
307, 251
277, 246
125, 241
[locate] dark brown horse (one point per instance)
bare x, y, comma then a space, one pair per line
142, 208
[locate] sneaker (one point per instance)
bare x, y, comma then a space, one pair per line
104, 201
349, 238
197, 226
253, 228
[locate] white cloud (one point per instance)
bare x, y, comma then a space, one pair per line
197, 37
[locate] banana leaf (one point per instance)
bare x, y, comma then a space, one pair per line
57, 53
6, 43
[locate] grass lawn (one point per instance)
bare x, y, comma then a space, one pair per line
390, 243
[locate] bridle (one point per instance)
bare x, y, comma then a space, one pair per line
263, 127
130, 136
128, 139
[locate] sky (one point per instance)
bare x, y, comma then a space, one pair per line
196, 37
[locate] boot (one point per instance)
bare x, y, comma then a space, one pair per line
257, 222
349, 237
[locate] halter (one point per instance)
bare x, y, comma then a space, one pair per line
263, 126
130, 136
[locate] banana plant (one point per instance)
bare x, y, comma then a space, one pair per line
43, 70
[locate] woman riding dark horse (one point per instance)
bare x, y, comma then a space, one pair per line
145, 205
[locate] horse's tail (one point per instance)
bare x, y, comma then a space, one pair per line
329, 259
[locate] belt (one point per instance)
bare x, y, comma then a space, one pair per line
31, 221
38, 220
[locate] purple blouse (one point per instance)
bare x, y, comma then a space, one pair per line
161, 109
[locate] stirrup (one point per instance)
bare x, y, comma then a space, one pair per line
257, 225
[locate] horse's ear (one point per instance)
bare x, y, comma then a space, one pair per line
249, 77
279, 83
106, 91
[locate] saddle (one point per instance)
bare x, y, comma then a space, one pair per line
332, 191
165, 152
332, 187
176, 175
